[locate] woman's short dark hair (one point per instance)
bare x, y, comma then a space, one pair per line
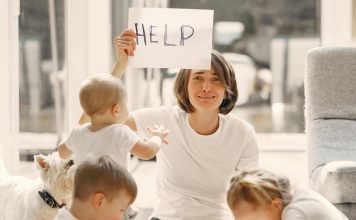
226, 74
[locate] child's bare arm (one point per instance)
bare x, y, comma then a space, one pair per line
64, 151
125, 44
146, 150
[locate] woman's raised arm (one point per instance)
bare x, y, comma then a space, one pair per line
125, 44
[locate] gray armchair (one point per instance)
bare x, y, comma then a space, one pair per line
330, 114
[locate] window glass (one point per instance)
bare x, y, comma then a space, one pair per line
37, 112
266, 42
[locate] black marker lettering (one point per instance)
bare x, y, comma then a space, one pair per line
137, 34
182, 37
152, 34
165, 37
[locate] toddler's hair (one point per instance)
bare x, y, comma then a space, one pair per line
100, 92
258, 187
103, 175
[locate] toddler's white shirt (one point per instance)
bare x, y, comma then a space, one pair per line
116, 140
309, 205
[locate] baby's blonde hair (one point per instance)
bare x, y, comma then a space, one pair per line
258, 187
100, 92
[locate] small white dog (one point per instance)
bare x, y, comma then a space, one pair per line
36, 199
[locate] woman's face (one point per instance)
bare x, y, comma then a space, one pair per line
205, 89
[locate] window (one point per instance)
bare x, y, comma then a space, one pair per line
268, 48
38, 66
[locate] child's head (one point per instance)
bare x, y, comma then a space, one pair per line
101, 92
106, 186
258, 194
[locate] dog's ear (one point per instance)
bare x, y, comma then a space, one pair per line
40, 162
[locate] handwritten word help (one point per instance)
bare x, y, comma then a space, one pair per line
149, 34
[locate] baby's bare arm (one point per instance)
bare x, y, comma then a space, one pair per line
64, 151
146, 150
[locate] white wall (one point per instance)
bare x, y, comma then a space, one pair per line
9, 83
336, 23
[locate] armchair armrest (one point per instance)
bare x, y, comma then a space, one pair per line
337, 182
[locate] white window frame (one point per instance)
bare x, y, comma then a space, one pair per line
336, 23
9, 83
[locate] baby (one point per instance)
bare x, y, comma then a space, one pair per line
103, 99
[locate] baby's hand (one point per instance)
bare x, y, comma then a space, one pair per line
160, 132
125, 44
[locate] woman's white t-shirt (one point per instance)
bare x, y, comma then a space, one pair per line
309, 205
193, 170
116, 140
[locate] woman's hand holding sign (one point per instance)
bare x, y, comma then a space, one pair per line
125, 45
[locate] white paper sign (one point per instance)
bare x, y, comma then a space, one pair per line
171, 38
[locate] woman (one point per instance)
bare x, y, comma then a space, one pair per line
206, 143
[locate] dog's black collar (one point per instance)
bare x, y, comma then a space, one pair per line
47, 198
